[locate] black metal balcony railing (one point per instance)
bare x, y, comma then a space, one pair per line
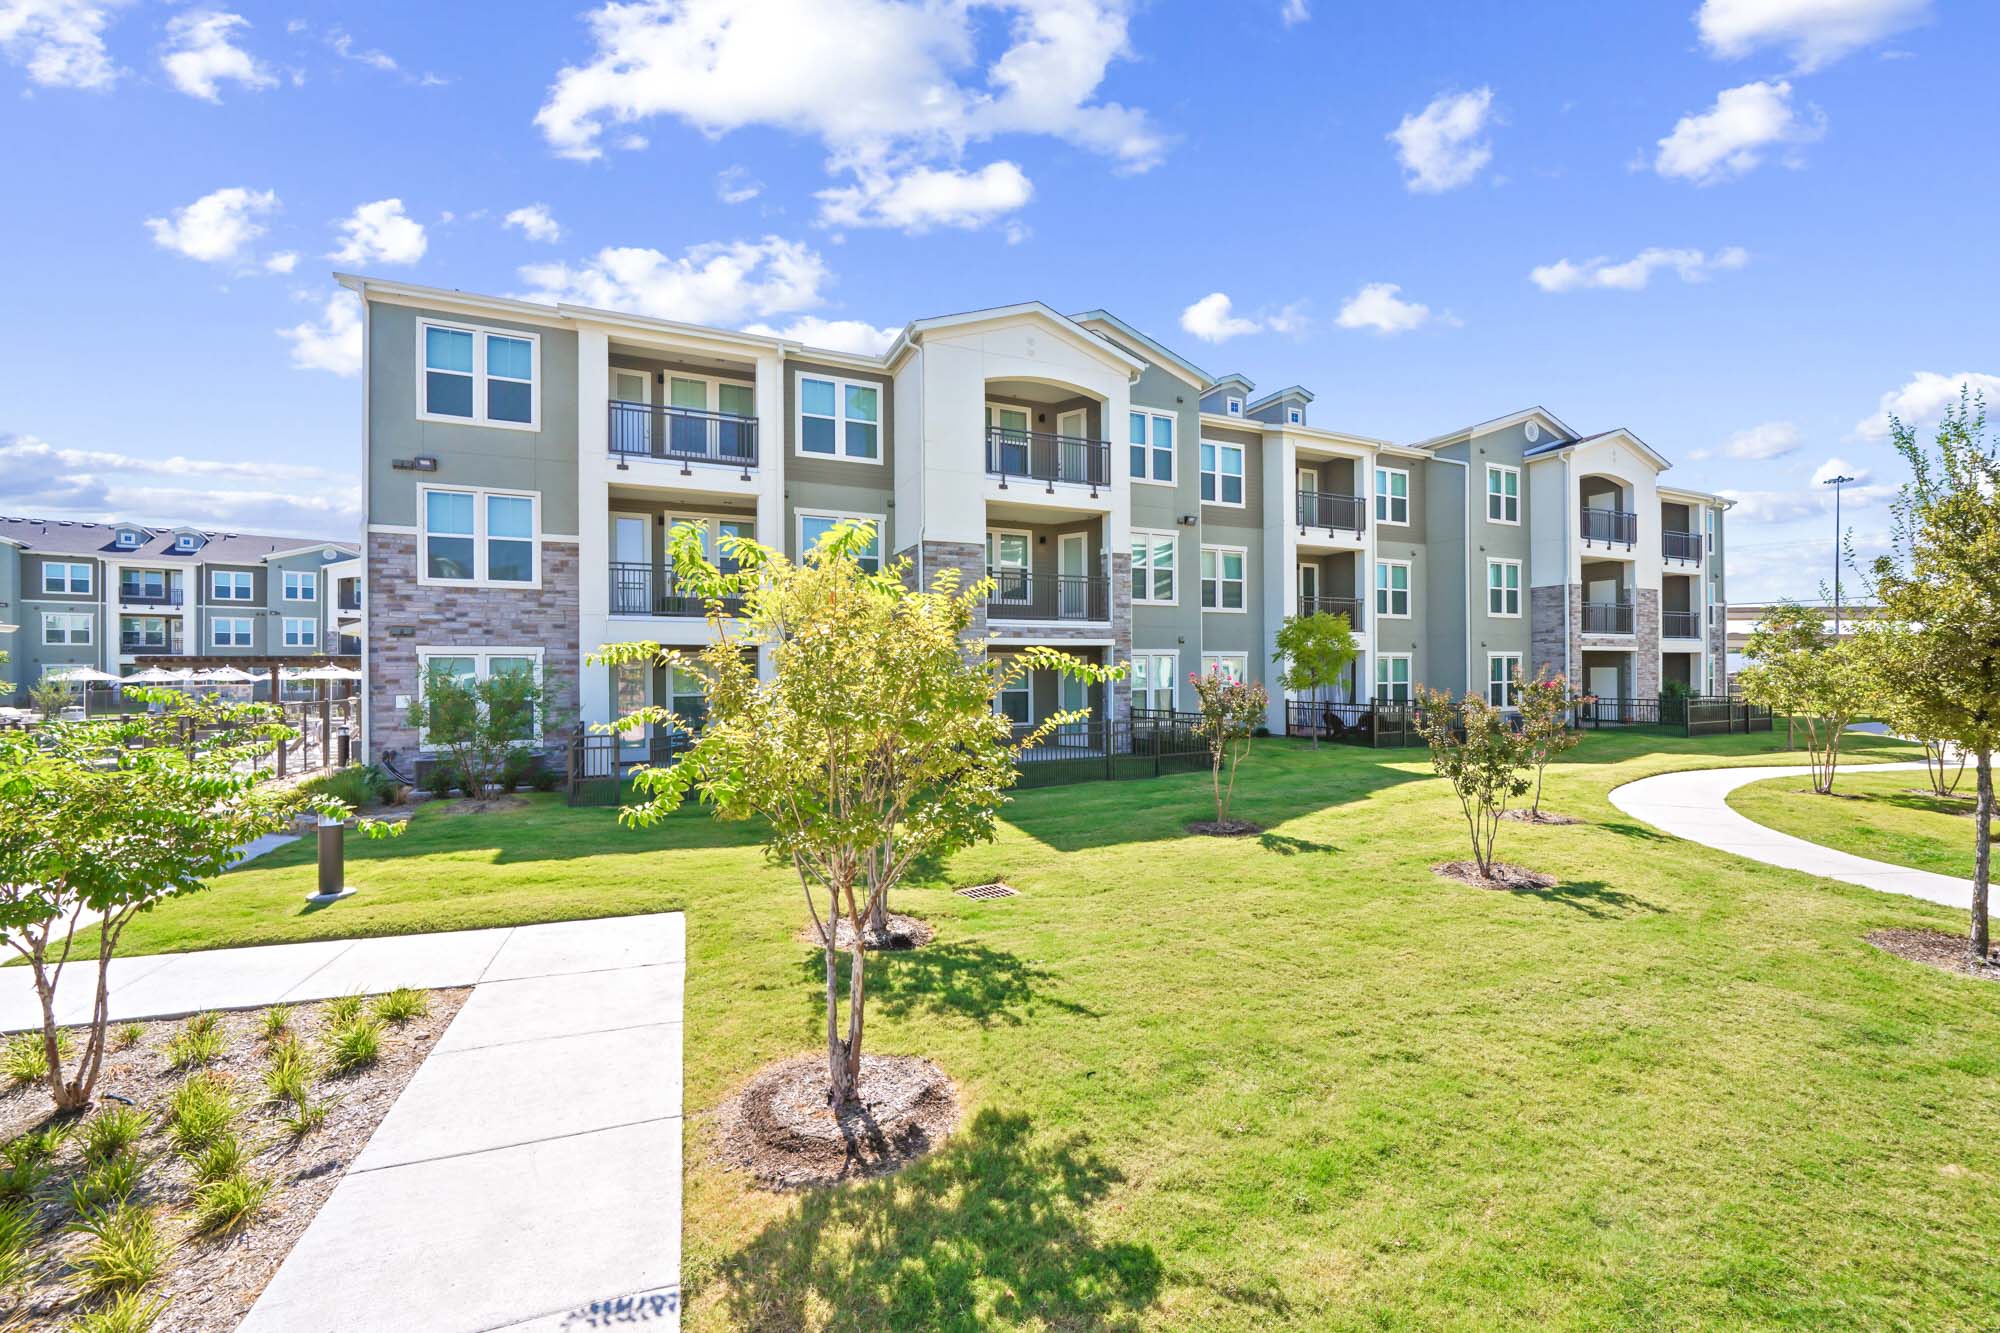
1324, 509
1680, 545
1333, 606
140, 595
349, 601
1680, 624
682, 434
639, 590
1020, 595
1043, 456
135, 641
1618, 527
1607, 617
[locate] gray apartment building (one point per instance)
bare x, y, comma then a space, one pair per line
524, 463
109, 595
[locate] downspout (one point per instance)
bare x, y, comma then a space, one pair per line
367, 509
1566, 505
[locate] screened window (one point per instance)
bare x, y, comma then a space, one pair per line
1152, 437
1503, 493
1153, 567
62, 577
300, 632
1153, 681
65, 627
231, 631
229, 585
480, 537
479, 375
813, 527
1392, 495
1503, 587
1392, 677
840, 419
1221, 578
1392, 588
301, 585
1222, 473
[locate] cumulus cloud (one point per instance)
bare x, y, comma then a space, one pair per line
217, 228
1377, 307
1732, 137
1293, 12
1633, 274
1815, 32
333, 341
1772, 439
839, 335
536, 223
921, 198
1443, 146
380, 233
720, 282
202, 54
1210, 320
735, 185
60, 43
1922, 400
1815, 497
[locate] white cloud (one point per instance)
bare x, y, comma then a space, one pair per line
217, 228
1376, 306
1441, 146
1731, 137
722, 282
1293, 12
535, 222
924, 197
344, 47
59, 42
1633, 274
282, 262
202, 55
1923, 399
735, 185
380, 233
840, 335
1814, 497
332, 343
1210, 320
1772, 439
1816, 32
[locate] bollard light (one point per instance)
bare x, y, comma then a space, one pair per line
332, 862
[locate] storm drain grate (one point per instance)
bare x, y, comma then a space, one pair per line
994, 890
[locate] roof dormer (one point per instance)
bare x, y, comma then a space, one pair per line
188, 540
127, 538
1286, 407
1227, 396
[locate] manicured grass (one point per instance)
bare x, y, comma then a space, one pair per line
1297, 1081
1885, 816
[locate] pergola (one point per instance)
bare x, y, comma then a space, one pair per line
273, 664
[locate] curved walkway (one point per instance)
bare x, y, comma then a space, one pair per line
1695, 805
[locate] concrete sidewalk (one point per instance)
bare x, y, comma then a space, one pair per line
1694, 805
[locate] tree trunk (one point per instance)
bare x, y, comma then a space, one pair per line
838, 1087
856, 1004
1215, 781
1982, 857
878, 913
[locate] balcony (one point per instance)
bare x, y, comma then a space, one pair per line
1680, 545
1615, 527
142, 641
1324, 509
1680, 624
1020, 595
349, 601
1607, 617
1333, 606
1044, 456
638, 590
140, 595
682, 434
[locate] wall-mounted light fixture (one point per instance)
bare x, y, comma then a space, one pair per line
421, 463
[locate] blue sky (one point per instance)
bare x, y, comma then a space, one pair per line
1738, 227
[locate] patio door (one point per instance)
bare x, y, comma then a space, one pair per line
1011, 441
674, 521
1007, 558
631, 565
1073, 694
631, 425
1308, 589
631, 689
688, 433
1073, 588
736, 439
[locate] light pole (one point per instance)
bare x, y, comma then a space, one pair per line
1836, 482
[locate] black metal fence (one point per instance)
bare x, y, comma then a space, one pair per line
1151, 744
1333, 606
1615, 526
1376, 723
1680, 624
1680, 545
1324, 509
1021, 595
638, 590
683, 434
600, 766
1689, 715
1043, 456
1607, 617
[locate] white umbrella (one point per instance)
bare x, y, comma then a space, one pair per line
227, 676
79, 675
325, 673
159, 676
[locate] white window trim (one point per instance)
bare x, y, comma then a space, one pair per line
1232, 407
1294, 417
1242, 474
1508, 684
799, 518
481, 658
479, 498
1173, 681
70, 620
1503, 469
216, 623
1023, 684
1382, 492
993, 535
1410, 683
1173, 454
840, 454
1409, 590
138, 539
712, 395
307, 578
1219, 609
215, 577
479, 334
1492, 563
307, 630
1208, 661
69, 568
1151, 536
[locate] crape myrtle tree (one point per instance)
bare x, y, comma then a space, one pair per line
1940, 587
1485, 760
1544, 704
874, 739
1228, 713
1796, 667
110, 817
481, 723
1913, 713
1315, 650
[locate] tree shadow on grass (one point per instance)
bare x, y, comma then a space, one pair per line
1593, 898
1286, 845
1638, 832
990, 1228
944, 979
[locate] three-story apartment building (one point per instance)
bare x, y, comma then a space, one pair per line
524, 464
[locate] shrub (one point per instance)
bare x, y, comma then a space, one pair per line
18, 1229
129, 1034
276, 1022
106, 1183
343, 1009
198, 1043
545, 778
401, 1005
514, 769
26, 1060
111, 1131
37, 1147
221, 1157
18, 1183
290, 1072
199, 1111
355, 1045
439, 780
349, 785
227, 1205
125, 1252
308, 1113
128, 1312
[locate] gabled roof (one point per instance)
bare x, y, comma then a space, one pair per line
1549, 418
1225, 381
1293, 391
1166, 356
1558, 446
59, 536
914, 331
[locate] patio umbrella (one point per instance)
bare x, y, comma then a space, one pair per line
324, 673
227, 675
81, 675
159, 676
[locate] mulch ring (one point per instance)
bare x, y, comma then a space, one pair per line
1941, 949
1223, 828
904, 932
1544, 817
465, 805
780, 1129
1509, 878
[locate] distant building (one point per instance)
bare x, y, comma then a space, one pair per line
1744, 617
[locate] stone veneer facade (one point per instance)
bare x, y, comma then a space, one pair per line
1548, 649
544, 617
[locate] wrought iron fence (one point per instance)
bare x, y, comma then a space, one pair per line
682, 434
1153, 743
637, 590
1680, 624
601, 766
1047, 457
1377, 723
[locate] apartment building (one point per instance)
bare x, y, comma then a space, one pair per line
524, 463
106, 595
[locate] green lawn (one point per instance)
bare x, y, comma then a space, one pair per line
1886, 816
1296, 1081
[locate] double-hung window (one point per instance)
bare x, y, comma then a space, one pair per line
1392, 587
301, 585
1222, 578
1503, 588
300, 632
230, 631
481, 664
1229, 666
478, 375
1501, 668
1709, 545
840, 419
65, 627
228, 585
1153, 680
1015, 700
815, 525
1154, 566
481, 537
1152, 436
1392, 678
66, 578
1503, 493
1221, 473
1392, 495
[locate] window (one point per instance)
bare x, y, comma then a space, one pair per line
1153, 566
1229, 666
142, 632
301, 585
1392, 495
814, 525
1503, 493
1392, 677
1503, 588
65, 577
1710, 516
476, 664
225, 585
481, 537
1152, 436
1222, 578
1221, 473
1153, 680
1296, 417
1501, 668
142, 585
840, 419
478, 375
1392, 587
231, 631
300, 632
1016, 699
65, 627
1234, 406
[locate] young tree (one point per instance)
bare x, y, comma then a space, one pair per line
1797, 667
1544, 704
1892, 652
1940, 587
49, 698
1230, 711
874, 740
1475, 750
481, 723
1315, 649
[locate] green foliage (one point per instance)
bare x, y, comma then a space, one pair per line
1545, 704
356, 785
36, 1147
1315, 649
291, 1070
127, 1312
1483, 759
344, 1009
128, 1035
200, 1110
221, 1157
440, 779
20, 1180
198, 1043
1796, 667
49, 698
111, 1131
25, 1057
126, 1250
401, 1005
481, 724
227, 1205
19, 1226
1230, 712
106, 1183
276, 1022
545, 778
354, 1045
308, 1113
